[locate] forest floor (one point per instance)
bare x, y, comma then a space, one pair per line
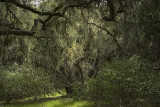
60, 102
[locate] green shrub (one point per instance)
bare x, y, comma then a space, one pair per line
124, 82
19, 82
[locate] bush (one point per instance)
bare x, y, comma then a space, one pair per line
19, 82
124, 82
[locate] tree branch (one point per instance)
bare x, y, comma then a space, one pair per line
16, 32
101, 28
113, 37
111, 17
26, 7
22, 33
84, 4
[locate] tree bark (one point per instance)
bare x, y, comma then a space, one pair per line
69, 90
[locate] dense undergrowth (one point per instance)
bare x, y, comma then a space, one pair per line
19, 82
126, 82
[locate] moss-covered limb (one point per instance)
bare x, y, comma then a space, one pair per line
16, 32
18, 4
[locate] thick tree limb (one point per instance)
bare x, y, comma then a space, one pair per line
94, 70
26, 7
14, 2
16, 32
21, 33
83, 4
111, 11
51, 14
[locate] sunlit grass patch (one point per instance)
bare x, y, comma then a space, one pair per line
55, 103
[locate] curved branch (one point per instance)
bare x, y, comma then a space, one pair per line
26, 7
16, 32
22, 33
113, 37
83, 4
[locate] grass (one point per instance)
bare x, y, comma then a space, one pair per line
65, 102
52, 100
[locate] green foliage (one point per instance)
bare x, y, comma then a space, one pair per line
19, 82
71, 43
124, 82
139, 30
